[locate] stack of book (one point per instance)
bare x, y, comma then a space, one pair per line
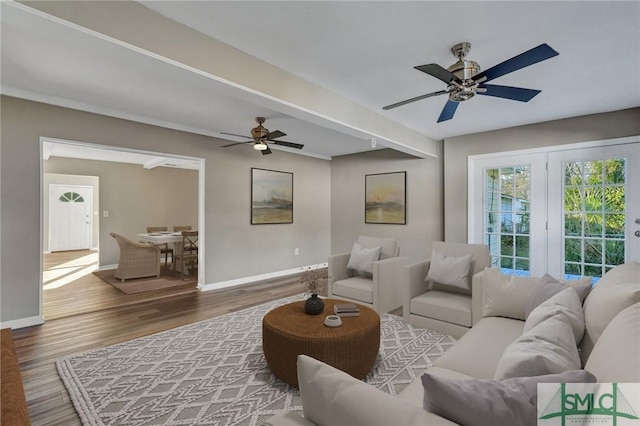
346, 310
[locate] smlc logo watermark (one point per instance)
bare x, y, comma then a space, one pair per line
564, 404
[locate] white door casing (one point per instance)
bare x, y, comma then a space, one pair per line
70, 217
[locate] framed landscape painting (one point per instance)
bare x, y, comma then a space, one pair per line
385, 198
271, 197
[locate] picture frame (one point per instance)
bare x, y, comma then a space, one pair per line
386, 198
271, 197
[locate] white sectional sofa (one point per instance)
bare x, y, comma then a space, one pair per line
609, 345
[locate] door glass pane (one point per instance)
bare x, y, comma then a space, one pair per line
507, 210
594, 216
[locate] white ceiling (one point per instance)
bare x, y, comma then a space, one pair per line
363, 51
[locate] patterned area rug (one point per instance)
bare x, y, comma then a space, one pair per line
213, 372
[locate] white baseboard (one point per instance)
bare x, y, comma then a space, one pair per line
107, 267
22, 322
255, 278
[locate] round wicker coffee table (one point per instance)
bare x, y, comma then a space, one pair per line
287, 331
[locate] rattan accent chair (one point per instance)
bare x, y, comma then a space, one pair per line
137, 260
164, 248
187, 257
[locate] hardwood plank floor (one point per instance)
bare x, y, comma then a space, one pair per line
86, 314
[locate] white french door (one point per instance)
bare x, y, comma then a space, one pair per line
594, 195
507, 210
70, 218
567, 212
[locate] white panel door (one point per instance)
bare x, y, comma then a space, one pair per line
594, 209
70, 218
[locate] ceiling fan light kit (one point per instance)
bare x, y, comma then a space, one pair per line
465, 79
261, 137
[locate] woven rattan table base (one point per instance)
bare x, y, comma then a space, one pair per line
288, 331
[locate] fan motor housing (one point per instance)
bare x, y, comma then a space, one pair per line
464, 69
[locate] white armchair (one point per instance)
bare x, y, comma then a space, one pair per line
378, 290
435, 306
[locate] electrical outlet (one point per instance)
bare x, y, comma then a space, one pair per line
296, 251
105, 213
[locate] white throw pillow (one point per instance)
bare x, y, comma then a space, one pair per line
450, 270
547, 348
506, 295
362, 258
331, 397
567, 305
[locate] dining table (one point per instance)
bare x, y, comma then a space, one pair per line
160, 238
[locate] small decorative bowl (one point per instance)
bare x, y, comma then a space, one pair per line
333, 321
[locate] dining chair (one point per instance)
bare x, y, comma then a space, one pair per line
180, 228
184, 256
164, 248
137, 260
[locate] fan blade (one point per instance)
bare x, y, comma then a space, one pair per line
275, 134
448, 111
530, 57
438, 72
235, 143
233, 134
266, 151
508, 92
417, 98
289, 144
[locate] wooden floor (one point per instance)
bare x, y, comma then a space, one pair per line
86, 314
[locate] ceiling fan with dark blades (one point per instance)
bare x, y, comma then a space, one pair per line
464, 79
261, 137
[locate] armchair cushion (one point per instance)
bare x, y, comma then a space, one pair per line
362, 258
450, 307
358, 288
389, 245
450, 270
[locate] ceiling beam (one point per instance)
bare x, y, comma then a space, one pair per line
131, 25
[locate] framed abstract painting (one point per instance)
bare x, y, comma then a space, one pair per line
385, 198
271, 197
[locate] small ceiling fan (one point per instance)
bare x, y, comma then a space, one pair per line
464, 79
261, 137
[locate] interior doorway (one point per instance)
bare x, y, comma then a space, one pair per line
79, 214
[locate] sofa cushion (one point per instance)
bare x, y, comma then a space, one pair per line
506, 295
547, 348
358, 288
362, 258
616, 355
450, 270
481, 402
548, 286
477, 353
414, 392
450, 307
617, 289
331, 397
567, 305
